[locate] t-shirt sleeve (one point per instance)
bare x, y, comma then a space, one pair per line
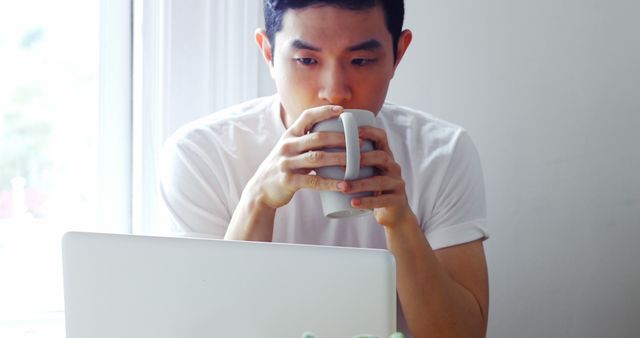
191, 191
459, 212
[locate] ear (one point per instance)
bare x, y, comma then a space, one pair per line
403, 44
265, 47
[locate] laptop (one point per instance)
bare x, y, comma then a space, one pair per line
126, 286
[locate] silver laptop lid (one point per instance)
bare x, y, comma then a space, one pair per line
126, 286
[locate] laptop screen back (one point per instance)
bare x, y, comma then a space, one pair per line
130, 286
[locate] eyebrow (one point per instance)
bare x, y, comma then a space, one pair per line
299, 44
369, 45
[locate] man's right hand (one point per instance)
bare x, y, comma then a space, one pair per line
287, 168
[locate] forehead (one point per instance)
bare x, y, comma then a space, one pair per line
330, 26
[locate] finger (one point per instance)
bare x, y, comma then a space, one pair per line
381, 201
311, 116
319, 140
314, 182
382, 160
375, 183
314, 159
377, 135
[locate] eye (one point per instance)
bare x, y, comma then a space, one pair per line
306, 61
361, 62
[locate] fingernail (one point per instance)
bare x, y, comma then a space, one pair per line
337, 108
356, 202
342, 185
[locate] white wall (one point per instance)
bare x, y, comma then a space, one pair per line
550, 92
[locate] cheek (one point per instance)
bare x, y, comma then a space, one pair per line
289, 78
371, 91
295, 80
297, 91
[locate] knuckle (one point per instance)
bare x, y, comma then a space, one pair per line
305, 113
313, 181
388, 161
401, 185
283, 164
317, 138
286, 179
315, 156
386, 158
291, 132
308, 113
398, 169
391, 164
286, 147
380, 134
383, 136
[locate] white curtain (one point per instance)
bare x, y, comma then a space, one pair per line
191, 58
233, 56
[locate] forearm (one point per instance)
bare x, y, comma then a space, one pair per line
252, 220
434, 304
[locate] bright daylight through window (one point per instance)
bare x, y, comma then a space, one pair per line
50, 148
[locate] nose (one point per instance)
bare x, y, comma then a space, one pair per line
335, 87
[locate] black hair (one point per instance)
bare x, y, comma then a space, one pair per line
393, 12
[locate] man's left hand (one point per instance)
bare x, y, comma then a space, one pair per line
389, 201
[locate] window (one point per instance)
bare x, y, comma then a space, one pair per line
65, 146
75, 153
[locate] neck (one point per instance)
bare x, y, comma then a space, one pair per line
287, 120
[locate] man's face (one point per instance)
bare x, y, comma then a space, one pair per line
327, 55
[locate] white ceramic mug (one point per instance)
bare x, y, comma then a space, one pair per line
337, 204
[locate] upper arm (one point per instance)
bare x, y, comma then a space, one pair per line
466, 264
458, 213
192, 195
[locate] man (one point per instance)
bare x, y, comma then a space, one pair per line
247, 172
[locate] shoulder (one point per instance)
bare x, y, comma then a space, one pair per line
222, 128
241, 116
420, 130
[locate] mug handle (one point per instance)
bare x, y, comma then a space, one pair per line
353, 146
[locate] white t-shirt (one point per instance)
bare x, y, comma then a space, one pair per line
207, 163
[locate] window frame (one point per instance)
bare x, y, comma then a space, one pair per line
115, 115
